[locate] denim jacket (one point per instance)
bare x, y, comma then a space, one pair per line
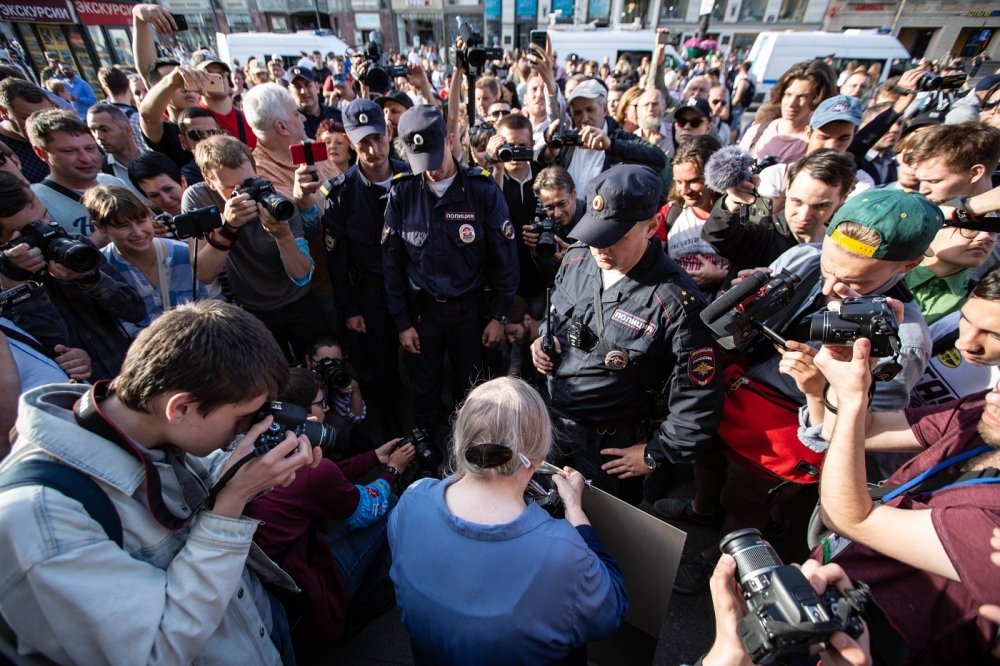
72, 596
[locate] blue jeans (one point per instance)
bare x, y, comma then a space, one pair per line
355, 551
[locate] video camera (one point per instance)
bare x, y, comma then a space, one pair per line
380, 73
15, 295
294, 418
508, 153
262, 191
547, 230
785, 617
736, 317
563, 137
428, 456
863, 317
195, 224
473, 56
56, 245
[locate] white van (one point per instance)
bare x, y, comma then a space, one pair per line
774, 52
600, 42
290, 46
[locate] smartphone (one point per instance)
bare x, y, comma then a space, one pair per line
215, 83
539, 38
663, 37
181, 21
308, 152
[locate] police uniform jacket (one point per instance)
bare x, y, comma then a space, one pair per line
651, 315
312, 122
352, 222
448, 247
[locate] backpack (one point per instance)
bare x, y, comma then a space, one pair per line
748, 93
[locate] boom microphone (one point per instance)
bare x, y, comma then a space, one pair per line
734, 296
727, 168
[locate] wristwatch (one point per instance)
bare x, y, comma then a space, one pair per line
502, 319
648, 459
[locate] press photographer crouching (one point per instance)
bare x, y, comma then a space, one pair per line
75, 313
773, 446
327, 530
482, 578
343, 406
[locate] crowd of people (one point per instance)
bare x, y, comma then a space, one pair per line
247, 309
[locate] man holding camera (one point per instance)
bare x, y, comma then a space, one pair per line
352, 223
173, 582
450, 259
624, 330
774, 464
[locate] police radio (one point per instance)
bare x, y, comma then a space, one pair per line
548, 340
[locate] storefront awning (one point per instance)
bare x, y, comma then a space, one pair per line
36, 11
100, 12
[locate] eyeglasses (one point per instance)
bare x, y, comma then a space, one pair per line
559, 205
321, 402
499, 113
198, 135
972, 234
693, 123
713, 102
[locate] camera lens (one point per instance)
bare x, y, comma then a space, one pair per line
74, 255
318, 434
376, 78
505, 153
754, 556
280, 207
546, 246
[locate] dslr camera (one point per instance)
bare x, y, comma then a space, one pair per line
785, 617
334, 374
931, 82
428, 456
738, 315
56, 245
262, 191
195, 224
473, 56
863, 317
547, 230
380, 73
290, 417
563, 137
508, 153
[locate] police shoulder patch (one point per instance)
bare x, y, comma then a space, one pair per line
508, 230
330, 186
402, 174
701, 365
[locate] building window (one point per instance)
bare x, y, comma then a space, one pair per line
792, 10
752, 10
674, 10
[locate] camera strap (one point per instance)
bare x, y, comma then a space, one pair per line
88, 415
63, 190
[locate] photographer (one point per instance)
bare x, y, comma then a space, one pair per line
266, 259
871, 242
178, 583
344, 408
556, 194
931, 530
596, 142
327, 530
74, 312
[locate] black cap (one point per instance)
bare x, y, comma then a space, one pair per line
423, 132
617, 199
363, 117
299, 73
573, 57
697, 105
397, 96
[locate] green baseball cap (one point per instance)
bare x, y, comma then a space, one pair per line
906, 222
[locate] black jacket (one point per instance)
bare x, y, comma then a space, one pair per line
626, 148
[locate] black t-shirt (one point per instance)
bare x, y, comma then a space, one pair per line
170, 144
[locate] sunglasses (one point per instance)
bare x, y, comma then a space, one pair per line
693, 123
499, 113
198, 135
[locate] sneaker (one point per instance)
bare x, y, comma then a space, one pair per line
682, 510
693, 574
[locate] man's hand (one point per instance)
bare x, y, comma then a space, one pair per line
60, 272
383, 452
542, 61
187, 78
26, 258
541, 360
593, 138
356, 324
492, 334
709, 274
239, 210
275, 229
306, 186
492, 146
410, 340
530, 237
844, 650
561, 248
630, 462
156, 16
747, 272
847, 369
797, 363
403, 457
74, 361
744, 193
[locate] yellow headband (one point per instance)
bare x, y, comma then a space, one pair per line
852, 244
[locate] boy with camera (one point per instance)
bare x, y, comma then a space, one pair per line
343, 405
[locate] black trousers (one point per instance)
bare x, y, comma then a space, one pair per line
295, 325
579, 445
375, 357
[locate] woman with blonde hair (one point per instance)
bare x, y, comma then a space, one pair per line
627, 115
482, 577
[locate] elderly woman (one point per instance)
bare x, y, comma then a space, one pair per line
481, 577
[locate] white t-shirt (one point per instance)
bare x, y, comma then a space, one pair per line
684, 242
441, 186
586, 164
948, 376
69, 214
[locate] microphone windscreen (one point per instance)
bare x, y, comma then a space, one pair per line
728, 167
734, 296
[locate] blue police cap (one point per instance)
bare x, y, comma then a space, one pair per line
423, 132
617, 199
363, 117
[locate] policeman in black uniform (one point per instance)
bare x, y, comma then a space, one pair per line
450, 262
308, 97
626, 329
353, 221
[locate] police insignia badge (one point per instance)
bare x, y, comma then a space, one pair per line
330, 242
508, 230
701, 365
598, 203
951, 358
616, 360
467, 233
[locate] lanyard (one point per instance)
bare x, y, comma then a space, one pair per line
944, 464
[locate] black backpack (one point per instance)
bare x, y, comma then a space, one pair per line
748, 93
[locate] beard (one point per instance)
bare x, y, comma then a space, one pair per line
989, 432
650, 123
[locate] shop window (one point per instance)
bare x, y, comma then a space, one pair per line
673, 10
792, 10
752, 10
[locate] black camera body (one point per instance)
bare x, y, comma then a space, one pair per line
290, 417
508, 153
785, 617
428, 456
380, 73
737, 316
56, 245
262, 191
334, 373
564, 137
196, 224
863, 317
547, 230
473, 56
930, 82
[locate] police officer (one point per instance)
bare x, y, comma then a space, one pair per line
450, 261
353, 221
306, 93
625, 326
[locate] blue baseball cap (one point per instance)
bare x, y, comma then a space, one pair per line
363, 117
423, 132
838, 107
